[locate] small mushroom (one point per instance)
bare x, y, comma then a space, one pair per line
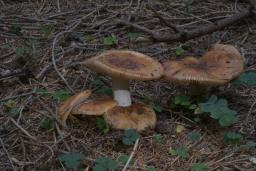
122, 66
84, 103
218, 66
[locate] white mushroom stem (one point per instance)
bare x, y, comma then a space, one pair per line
121, 91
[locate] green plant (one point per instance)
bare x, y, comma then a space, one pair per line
247, 78
179, 151
110, 40
42, 92
218, 109
199, 167
134, 34
100, 86
46, 123
195, 136
232, 138
179, 51
130, 136
101, 125
60, 95
184, 101
105, 164
71, 160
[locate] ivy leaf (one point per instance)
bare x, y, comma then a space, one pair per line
182, 100
71, 160
110, 40
105, 164
199, 167
157, 107
60, 95
179, 51
195, 136
180, 151
218, 109
247, 78
46, 123
232, 138
101, 125
130, 136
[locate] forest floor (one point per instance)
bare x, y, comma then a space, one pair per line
36, 34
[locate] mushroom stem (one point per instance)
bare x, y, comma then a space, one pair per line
121, 92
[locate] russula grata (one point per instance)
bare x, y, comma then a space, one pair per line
218, 66
122, 66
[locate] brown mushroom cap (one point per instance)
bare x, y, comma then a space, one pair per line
136, 116
98, 107
218, 66
126, 64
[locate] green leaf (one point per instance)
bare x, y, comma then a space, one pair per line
60, 95
97, 82
199, 167
247, 78
195, 136
105, 164
182, 100
158, 138
180, 151
151, 168
218, 109
15, 29
124, 158
232, 138
71, 160
104, 90
101, 125
179, 51
157, 107
130, 136
46, 123
110, 40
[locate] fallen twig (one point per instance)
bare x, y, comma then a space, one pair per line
187, 35
131, 155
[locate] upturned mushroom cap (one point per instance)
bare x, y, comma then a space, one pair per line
98, 107
218, 66
136, 116
126, 64
66, 107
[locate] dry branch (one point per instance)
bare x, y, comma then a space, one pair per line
187, 35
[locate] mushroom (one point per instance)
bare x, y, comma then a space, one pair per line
122, 66
218, 66
84, 103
